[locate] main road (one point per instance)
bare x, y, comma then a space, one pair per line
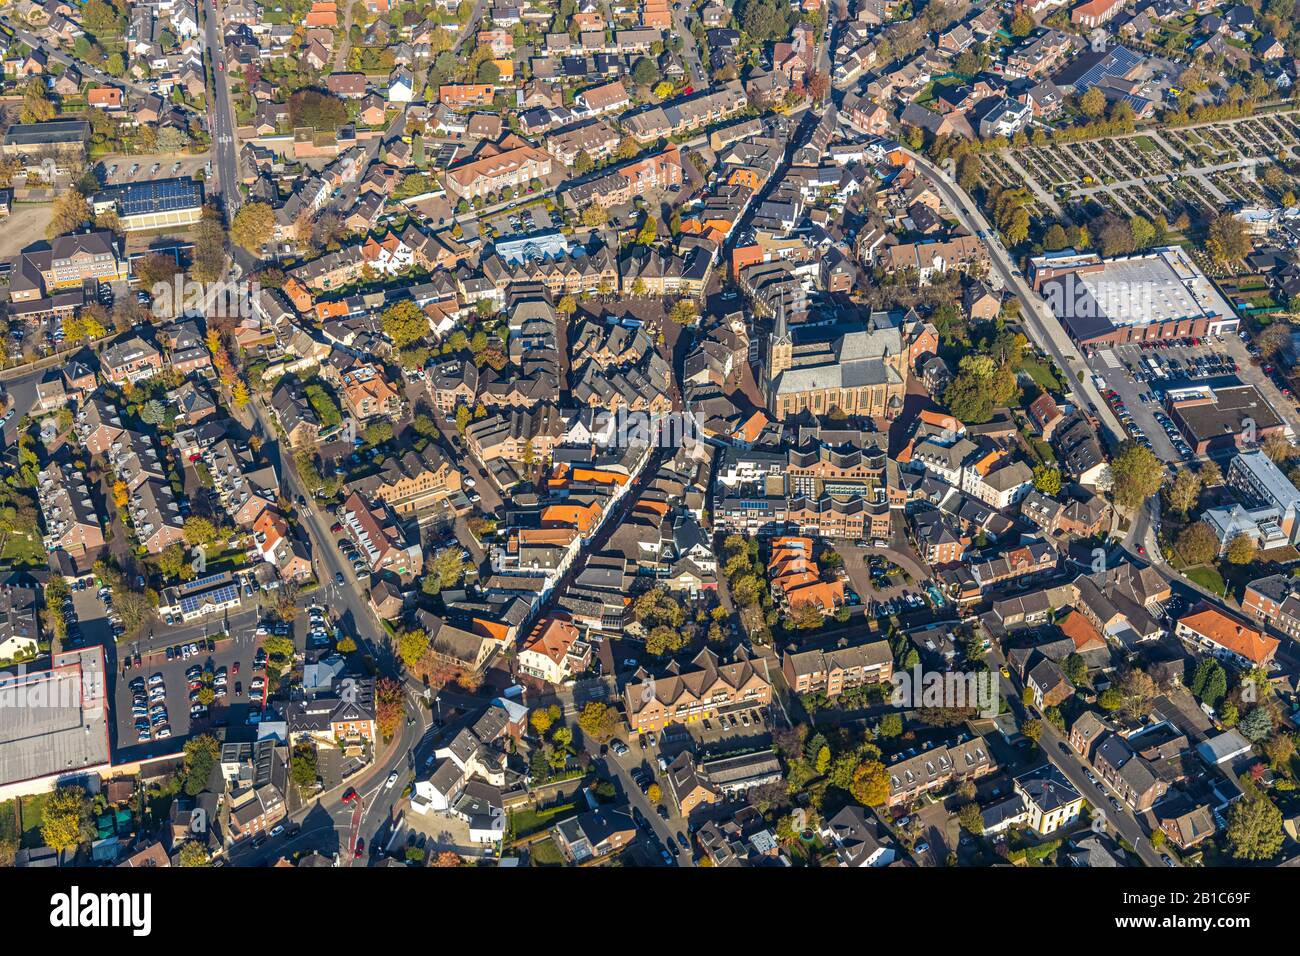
349, 605
221, 116
1043, 327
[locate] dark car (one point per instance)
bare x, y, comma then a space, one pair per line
338, 578
361, 846
351, 796
1065, 748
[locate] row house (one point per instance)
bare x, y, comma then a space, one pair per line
833, 671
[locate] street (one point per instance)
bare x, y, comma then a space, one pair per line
1043, 327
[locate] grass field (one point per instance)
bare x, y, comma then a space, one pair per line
545, 853
20, 551
526, 822
1208, 578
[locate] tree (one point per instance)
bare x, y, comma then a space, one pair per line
1226, 240
598, 722
1139, 691
488, 73
653, 793
253, 227
594, 216
302, 766
1256, 725
543, 718
1197, 543
1242, 549
448, 859
870, 784
1254, 830
644, 71
891, 725
309, 107
208, 262
1047, 479
1022, 24
412, 645
1110, 699
37, 107
765, 20
200, 755
971, 820
388, 706
404, 323
1277, 448
1032, 729
65, 818
193, 854
198, 531
1136, 475
684, 312
648, 232
1273, 339
1184, 491
71, 210
1093, 103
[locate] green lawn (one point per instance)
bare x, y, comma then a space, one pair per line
1042, 374
29, 819
526, 822
1207, 577
545, 853
20, 551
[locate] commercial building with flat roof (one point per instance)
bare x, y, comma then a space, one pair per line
60, 139
156, 204
54, 724
1157, 294
1214, 419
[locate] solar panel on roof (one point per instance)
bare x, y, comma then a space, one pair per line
221, 595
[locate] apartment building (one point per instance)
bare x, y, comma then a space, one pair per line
833, 671
412, 483
705, 689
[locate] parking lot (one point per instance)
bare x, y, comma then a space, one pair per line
232, 656
521, 222
1136, 380
119, 170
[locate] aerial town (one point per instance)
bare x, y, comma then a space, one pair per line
650, 433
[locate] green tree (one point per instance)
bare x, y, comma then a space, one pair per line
1197, 543
1093, 103
253, 226
65, 818
870, 785
1256, 725
302, 766
404, 323
412, 645
598, 722
193, 854
644, 72
1254, 830
1136, 474
1047, 479
1242, 549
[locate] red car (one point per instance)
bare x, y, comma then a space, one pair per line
221, 67
1141, 549
234, 668
351, 796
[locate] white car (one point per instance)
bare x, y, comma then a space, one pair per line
392, 779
